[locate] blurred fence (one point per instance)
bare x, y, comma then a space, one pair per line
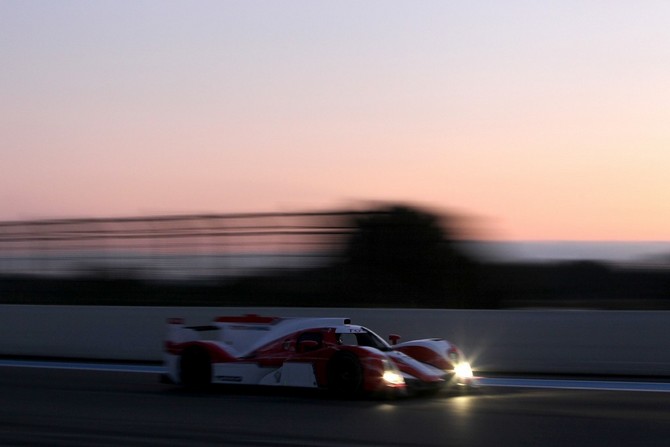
173, 247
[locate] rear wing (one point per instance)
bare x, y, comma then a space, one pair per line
180, 323
178, 334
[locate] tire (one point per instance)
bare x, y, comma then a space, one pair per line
195, 368
345, 374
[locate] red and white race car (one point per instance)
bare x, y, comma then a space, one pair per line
327, 353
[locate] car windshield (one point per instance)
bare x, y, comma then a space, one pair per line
363, 337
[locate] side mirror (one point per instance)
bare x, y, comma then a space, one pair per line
393, 338
308, 345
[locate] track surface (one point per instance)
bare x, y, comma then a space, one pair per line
77, 408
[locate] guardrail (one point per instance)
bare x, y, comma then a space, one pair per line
525, 341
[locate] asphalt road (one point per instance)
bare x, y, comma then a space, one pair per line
77, 408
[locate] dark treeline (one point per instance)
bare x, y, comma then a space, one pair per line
396, 256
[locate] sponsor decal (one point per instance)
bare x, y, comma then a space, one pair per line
229, 378
354, 331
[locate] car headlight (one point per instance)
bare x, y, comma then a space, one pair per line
392, 378
463, 371
392, 375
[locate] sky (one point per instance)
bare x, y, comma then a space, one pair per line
539, 120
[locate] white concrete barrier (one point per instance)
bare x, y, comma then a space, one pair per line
526, 341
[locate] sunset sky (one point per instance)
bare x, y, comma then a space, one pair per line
542, 120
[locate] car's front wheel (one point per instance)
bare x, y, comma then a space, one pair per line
345, 374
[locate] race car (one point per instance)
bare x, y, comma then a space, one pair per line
326, 353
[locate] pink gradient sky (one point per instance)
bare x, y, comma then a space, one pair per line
543, 120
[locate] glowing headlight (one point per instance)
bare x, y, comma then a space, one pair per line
392, 375
463, 370
393, 378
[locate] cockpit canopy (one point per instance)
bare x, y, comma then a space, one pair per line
360, 336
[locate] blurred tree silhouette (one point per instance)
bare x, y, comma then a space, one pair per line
402, 254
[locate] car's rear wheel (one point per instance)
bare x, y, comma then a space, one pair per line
195, 368
345, 374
